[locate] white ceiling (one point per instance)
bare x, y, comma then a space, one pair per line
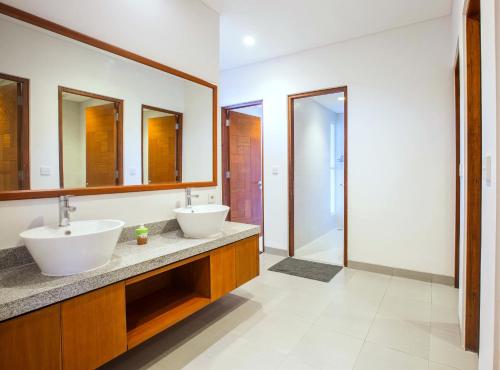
282, 27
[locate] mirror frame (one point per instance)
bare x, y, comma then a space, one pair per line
75, 35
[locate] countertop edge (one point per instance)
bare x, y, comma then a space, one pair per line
36, 301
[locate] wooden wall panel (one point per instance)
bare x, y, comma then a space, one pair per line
9, 137
101, 145
162, 138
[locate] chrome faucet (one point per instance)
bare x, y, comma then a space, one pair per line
64, 210
189, 196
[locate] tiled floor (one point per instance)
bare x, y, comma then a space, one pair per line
328, 248
360, 320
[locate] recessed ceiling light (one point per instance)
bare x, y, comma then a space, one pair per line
248, 41
341, 98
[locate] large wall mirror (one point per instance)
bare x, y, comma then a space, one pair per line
78, 116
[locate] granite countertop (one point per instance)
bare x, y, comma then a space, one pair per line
24, 288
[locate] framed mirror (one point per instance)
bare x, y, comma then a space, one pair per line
95, 118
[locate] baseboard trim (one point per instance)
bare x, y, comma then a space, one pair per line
409, 274
276, 251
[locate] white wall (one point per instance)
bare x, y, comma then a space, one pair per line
490, 265
312, 171
196, 135
400, 175
73, 145
191, 35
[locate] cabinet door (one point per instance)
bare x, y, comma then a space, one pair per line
93, 328
32, 341
222, 271
247, 259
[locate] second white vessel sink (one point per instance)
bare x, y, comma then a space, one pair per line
202, 221
78, 247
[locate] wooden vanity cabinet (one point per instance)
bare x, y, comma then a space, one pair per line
247, 260
32, 341
86, 331
233, 265
223, 271
93, 328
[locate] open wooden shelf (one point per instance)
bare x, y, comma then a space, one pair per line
165, 298
156, 312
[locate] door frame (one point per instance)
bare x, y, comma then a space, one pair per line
226, 184
291, 168
473, 150
457, 169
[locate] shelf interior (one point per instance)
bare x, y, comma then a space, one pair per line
162, 300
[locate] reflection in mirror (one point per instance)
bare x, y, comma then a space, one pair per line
89, 152
14, 139
90, 127
162, 145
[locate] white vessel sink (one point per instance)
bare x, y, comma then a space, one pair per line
202, 221
79, 247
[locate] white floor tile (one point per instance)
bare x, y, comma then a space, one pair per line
411, 337
328, 248
411, 289
320, 347
278, 331
444, 295
445, 318
446, 349
436, 366
376, 357
405, 309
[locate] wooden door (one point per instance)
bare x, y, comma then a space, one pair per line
32, 341
101, 145
93, 328
245, 165
162, 136
9, 138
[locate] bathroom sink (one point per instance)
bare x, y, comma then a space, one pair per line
201, 221
78, 247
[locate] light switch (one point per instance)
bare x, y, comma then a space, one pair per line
211, 198
487, 170
44, 171
275, 170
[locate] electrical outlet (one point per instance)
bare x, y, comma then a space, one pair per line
44, 171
